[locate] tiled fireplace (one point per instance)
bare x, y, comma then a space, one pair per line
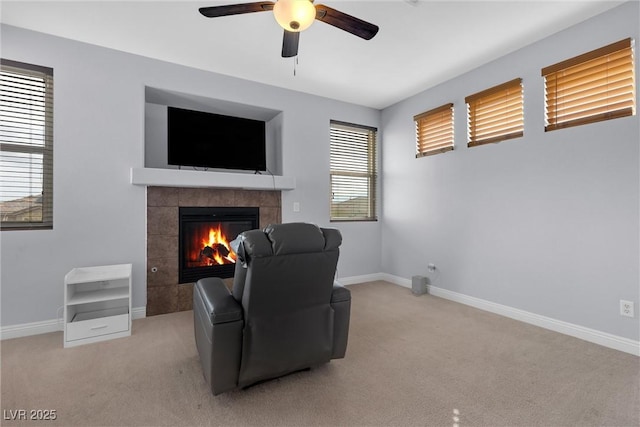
164, 292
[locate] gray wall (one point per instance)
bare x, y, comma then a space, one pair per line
547, 223
99, 131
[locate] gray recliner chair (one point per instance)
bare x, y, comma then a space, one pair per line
284, 313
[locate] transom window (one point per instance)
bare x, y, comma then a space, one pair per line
598, 85
434, 131
496, 114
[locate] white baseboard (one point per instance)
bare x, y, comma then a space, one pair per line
27, 329
597, 337
346, 281
46, 326
138, 312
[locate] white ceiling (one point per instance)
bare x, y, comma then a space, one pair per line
420, 43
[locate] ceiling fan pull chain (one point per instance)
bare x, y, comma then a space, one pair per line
295, 65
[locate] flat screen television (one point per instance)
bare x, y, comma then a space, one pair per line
200, 139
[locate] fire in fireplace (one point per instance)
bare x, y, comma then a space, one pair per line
208, 245
205, 236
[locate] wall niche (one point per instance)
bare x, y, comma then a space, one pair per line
155, 123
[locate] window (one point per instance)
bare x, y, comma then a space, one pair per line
353, 172
595, 86
434, 131
26, 146
496, 114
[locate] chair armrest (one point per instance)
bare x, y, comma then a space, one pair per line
219, 304
341, 304
340, 293
218, 332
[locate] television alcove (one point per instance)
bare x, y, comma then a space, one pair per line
158, 102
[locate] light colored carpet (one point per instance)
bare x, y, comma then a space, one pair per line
411, 361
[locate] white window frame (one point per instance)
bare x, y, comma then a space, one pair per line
26, 146
353, 172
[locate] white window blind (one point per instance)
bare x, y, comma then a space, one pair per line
434, 131
353, 172
598, 85
26, 146
496, 114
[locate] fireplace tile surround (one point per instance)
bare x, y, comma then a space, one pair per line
164, 294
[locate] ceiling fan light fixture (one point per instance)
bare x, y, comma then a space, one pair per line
294, 15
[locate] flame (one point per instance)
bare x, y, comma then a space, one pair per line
217, 237
207, 245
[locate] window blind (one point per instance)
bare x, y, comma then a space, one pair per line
496, 114
595, 86
353, 172
434, 131
26, 146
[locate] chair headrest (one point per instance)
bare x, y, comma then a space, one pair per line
289, 238
295, 238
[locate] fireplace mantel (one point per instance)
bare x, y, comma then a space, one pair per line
205, 179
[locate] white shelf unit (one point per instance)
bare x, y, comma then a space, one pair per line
97, 304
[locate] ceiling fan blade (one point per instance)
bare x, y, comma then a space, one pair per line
236, 9
345, 22
290, 44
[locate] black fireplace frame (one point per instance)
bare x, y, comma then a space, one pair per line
218, 214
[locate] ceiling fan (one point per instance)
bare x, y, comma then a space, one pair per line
295, 16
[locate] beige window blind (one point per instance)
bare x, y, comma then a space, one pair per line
26, 146
496, 114
434, 131
598, 85
353, 172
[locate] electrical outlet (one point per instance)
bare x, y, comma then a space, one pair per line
626, 308
431, 267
